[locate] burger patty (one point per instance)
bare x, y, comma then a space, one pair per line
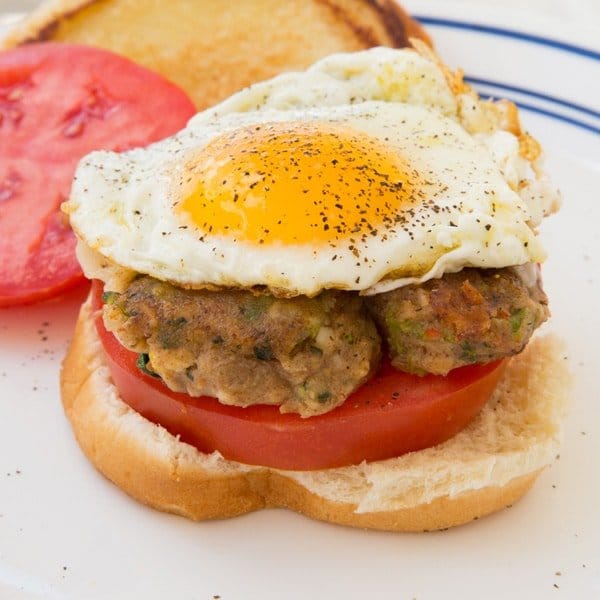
304, 354
308, 354
473, 316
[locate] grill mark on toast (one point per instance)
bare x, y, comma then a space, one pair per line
389, 15
363, 33
394, 21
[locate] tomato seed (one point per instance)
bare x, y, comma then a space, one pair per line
74, 129
9, 186
15, 94
15, 114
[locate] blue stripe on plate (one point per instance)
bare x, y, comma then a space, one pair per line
553, 115
518, 35
534, 94
558, 117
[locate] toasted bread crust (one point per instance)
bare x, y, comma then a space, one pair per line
155, 468
397, 24
218, 48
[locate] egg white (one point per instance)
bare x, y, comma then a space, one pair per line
122, 206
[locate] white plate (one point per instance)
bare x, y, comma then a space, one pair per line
67, 533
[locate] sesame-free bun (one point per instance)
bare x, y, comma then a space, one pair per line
486, 467
212, 48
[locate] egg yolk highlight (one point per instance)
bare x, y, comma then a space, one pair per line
297, 183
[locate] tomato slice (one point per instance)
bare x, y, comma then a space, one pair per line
392, 414
57, 103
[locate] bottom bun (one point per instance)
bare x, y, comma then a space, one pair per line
486, 467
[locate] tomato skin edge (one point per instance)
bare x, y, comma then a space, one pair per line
362, 429
112, 103
51, 292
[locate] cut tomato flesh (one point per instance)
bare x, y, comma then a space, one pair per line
392, 414
57, 103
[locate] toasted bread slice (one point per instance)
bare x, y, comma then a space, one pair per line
212, 48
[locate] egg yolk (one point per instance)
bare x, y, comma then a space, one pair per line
297, 183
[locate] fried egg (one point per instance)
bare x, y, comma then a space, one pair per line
357, 174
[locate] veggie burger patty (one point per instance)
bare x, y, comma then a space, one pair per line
308, 354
